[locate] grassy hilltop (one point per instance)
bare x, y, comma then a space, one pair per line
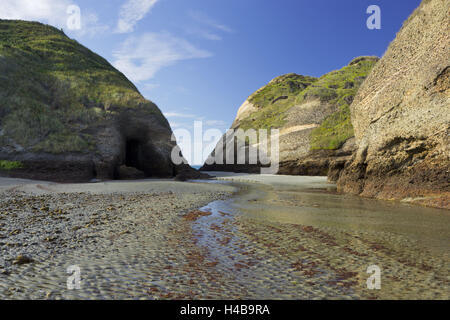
52, 90
336, 88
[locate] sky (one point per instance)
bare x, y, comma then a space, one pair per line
199, 60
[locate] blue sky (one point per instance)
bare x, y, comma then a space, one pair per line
200, 59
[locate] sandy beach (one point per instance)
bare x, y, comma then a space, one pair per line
107, 229
237, 237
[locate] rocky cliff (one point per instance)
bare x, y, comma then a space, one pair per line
401, 116
313, 117
67, 114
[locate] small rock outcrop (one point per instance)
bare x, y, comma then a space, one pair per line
313, 118
67, 115
401, 116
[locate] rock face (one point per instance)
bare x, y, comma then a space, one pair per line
313, 118
67, 114
401, 116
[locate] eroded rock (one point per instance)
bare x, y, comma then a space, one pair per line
313, 118
401, 116
73, 117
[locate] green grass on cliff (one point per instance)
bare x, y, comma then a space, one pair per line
337, 88
274, 100
52, 89
10, 165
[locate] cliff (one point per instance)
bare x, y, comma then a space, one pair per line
313, 117
67, 114
401, 116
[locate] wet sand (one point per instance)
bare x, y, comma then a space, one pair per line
322, 242
276, 238
122, 235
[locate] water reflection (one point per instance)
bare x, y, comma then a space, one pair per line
312, 201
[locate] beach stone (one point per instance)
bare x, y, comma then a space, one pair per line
5, 272
23, 259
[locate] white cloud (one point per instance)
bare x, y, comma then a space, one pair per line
204, 34
178, 115
206, 20
151, 86
90, 25
53, 12
215, 123
50, 11
131, 12
141, 57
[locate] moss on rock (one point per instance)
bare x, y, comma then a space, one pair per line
10, 165
338, 88
274, 100
335, 88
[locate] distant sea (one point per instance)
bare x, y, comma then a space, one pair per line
196, 167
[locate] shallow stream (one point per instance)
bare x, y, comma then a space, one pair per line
296, 237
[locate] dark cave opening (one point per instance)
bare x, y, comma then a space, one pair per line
133, 154
132, 167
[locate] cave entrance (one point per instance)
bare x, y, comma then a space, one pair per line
133, 154
132, 167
